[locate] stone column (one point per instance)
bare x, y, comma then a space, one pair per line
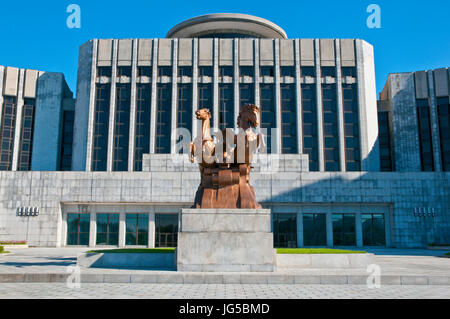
236, 80
2, 76
434, 124
112, 108
298, 97
63, 229
340, 107
358, 228
132, 138
153, 97
387, 226
320, 143
93, 229
122, 228
90, 133
300, 242
194, 88
277, 146
257, 77
367, 106
329, 221
18, 124
173, 126
151, 229
216, 85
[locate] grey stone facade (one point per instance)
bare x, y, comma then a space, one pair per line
34, 206
235, 53
48, 96
416, 205
399, 98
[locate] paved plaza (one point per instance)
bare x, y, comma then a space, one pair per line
391, 262
36, 262
202, 291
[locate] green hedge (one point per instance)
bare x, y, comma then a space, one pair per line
1, 249
317, 251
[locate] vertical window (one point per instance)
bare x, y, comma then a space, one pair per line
124, 71
205, 71
314, 230
137, 230
443, 106
351, 128
247, 93
267, 71
101, 124
78, 226
104, 71
144, 71
163, 118
121, 128
288, 119
309, 125
226, 71
308, 71
285, 230
330, 128
185, 71
165, 71
205, 98
67, 140
344, 230
373, 229
108, 229
268, 112
166, 230
184, 111
425, 142
287, 71
7, 130
246, 71
385, 142
226, 106
328, 71
142, 134
26, 140
349, 71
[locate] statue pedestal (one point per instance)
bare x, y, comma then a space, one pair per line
223, 240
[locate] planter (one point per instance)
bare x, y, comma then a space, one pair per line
155, 261
19, 246
302, 261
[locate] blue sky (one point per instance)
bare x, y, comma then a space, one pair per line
414, 34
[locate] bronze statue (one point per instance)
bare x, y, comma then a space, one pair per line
225, 166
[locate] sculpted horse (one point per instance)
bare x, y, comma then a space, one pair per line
203, 147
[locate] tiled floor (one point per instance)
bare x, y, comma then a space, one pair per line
176, 291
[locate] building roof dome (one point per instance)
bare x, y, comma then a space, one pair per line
226, 25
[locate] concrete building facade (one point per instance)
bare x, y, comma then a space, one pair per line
416, 108
317, 96
321, 176
36, 107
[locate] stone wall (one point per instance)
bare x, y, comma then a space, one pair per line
409, 195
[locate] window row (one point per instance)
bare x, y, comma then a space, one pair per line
284, 226
315, 230
208, 71
226, 114
136, 229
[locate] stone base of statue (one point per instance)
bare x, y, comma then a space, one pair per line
226, 187
225, 240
